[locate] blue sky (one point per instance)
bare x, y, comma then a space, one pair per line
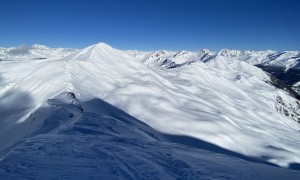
153, 24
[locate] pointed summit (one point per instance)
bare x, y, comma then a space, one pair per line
39, 46
102, 45
101, 49
228, 53
204, 51
107, 58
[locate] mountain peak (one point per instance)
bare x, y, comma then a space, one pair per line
102, 45
101, 49
39, 46
204, 51
228, 53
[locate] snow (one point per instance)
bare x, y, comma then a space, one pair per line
35, 52
287, 59
107, 143
223, 102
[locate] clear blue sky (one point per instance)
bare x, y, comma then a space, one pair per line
153, 24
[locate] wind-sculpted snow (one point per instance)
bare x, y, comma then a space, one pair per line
223, 102
103, 142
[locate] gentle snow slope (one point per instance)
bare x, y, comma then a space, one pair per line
224, 102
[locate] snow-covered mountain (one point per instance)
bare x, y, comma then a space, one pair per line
35, 52
283, 65
106, 113
169, 59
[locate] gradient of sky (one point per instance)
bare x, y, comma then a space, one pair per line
152, 24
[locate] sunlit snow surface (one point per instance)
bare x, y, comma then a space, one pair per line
35, 52
224, 106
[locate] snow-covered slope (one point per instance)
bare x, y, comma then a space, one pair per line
103, 142
283, 65
223, 102
35, 52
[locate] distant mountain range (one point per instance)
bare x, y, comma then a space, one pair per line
283, 65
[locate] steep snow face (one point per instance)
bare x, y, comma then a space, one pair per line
224, 102
36, 52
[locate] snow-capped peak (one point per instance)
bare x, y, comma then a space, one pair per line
102, 45
39, 46
228, 53
204, 51
102, 52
